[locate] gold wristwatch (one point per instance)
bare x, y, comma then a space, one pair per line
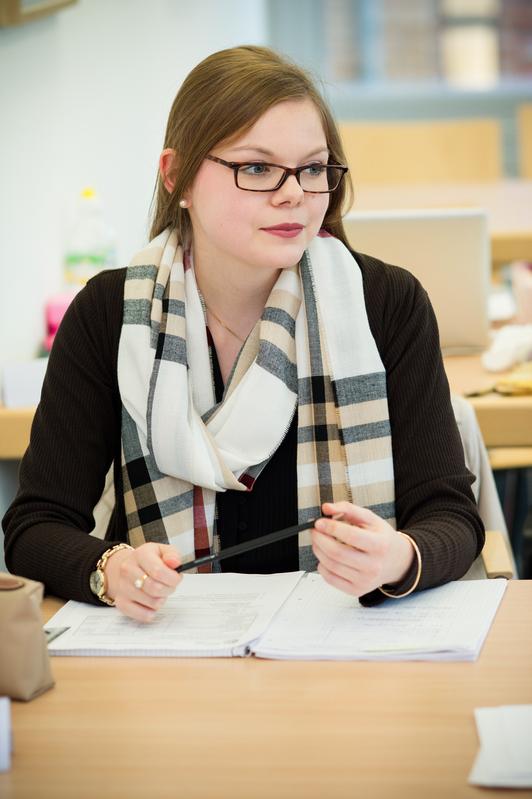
97, 581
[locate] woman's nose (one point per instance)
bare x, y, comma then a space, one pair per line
290, 191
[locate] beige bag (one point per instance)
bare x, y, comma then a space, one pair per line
24, 663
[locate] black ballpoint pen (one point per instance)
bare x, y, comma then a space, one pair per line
247, 546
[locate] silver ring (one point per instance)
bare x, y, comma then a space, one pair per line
139, 582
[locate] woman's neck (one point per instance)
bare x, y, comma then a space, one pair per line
235, 292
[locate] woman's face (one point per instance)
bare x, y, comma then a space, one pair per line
235, 226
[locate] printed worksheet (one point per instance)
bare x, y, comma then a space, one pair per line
208, 615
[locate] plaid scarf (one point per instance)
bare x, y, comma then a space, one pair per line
311, 351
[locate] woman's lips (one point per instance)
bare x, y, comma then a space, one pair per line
285, 231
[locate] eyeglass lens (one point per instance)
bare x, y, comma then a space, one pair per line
263, 177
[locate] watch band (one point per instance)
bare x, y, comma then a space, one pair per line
100, 566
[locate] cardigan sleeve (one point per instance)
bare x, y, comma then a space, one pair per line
73, 439
433, 497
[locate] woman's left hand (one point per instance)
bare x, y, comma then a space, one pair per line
360, 551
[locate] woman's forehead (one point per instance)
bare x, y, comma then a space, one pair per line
286, 126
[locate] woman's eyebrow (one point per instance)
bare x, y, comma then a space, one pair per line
270, 154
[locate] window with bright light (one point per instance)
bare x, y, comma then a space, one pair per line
459, 43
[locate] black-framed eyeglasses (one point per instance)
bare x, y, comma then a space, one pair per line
261, 176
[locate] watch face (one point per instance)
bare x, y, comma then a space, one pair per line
96, 582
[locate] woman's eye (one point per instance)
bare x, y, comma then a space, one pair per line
315, 170
255, 169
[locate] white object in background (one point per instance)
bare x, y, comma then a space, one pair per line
91, 244
22, 383
5, 733
511, 345
501, 304
505, 755
448, 250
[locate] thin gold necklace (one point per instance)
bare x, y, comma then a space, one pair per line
242, 340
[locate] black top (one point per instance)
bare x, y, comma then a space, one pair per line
76, 436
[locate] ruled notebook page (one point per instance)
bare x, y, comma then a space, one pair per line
319, 622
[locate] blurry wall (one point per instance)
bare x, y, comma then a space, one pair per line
84, 98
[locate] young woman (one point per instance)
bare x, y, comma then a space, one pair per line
245, 373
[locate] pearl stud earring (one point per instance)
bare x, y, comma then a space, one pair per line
183, 204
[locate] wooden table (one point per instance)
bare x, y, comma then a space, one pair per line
505, 422
15, 428
508, 204
148, 728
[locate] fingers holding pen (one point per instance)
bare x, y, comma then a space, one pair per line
340, 536
355, 526
142, 579
342, 564
158, 562
352, 545
330, 548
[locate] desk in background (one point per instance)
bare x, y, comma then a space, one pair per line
506, 425
241, 727
15, 428
508, 204
505, 422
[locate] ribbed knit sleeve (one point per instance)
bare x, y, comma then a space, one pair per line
74, 437
434, 502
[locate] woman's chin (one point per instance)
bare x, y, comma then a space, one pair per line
286, 255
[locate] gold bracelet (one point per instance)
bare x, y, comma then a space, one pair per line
418, 575
98, 580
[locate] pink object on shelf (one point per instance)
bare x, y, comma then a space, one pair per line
54, 311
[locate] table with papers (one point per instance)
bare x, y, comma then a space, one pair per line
250, 728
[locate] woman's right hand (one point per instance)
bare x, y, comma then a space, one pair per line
158, 562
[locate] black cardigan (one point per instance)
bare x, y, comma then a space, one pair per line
76, 436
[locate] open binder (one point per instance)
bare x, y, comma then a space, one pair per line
293, 616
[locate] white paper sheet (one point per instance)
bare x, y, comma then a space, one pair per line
505, 755
22, 382
210, 615
5, 733
445, 623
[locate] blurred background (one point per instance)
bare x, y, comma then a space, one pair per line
85, 91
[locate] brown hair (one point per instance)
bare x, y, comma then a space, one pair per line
219, 100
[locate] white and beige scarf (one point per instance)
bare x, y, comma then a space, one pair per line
312, 352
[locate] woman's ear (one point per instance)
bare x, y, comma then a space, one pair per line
167, 168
